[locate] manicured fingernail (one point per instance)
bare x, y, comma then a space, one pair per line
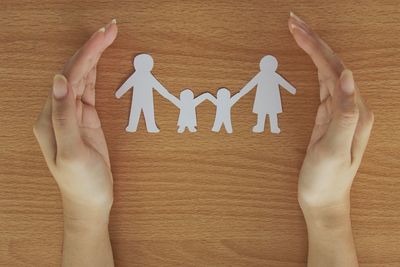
102, 29
295, 17
347, 82
293, 27
59, 86
114, 21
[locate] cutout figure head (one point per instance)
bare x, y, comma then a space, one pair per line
223, 93
268, 64
187, 95
143, 62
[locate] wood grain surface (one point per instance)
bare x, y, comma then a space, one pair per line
202, 199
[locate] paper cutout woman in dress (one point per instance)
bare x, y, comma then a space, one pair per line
142, 81
224, 103
187, 105
268, 99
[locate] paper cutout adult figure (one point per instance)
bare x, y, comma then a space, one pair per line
224, 103
143, 82
268, 98
187, 105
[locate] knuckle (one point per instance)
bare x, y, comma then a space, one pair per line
350, 111
60, 120
348, 117
324, 152
68, 158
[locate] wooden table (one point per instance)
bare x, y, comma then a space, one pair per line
201, 199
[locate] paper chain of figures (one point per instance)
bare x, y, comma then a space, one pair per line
267, 100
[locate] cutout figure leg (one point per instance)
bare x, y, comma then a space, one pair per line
273, 123
134, 118
259, 127
228, 126
148, 112
217, 125
181, 129
192, 129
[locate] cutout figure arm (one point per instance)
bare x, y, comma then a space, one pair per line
164, 92
174, 100
205, 96
285, 84
211, 98
235, 98
250, 85
128, 84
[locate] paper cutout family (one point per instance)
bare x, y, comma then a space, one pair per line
267, 100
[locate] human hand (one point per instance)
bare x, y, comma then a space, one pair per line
70, 136
340, 135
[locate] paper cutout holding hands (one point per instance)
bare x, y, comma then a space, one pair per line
143, 82
187, 105
224, 103
268, 98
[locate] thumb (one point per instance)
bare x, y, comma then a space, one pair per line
64, 117
345, 114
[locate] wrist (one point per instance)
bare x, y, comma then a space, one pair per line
327, 217
82, 215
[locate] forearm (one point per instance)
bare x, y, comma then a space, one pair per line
86, 239
330, 238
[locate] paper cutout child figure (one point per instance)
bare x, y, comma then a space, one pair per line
187, 105
224, 103
142, 81
267, 99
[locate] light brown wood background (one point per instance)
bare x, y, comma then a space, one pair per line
201, 199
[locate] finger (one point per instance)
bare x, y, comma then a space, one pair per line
64, 117
43, 131
82, 62
324, 113
322, 121
88, 96
110, 33
328, 64
363, 131
340, 133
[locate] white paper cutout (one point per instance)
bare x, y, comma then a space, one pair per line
224, 103
187, 105
267, 100
143, 82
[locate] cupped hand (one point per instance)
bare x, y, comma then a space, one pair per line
342, 128
70, 136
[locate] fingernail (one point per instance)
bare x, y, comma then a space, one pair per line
347, 82
296, 27
296, 17
102, 29
59, 86
114, 21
